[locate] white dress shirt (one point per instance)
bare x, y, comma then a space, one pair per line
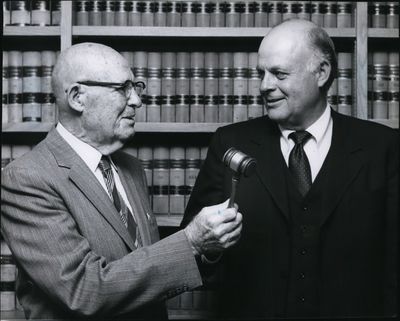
91, 156
317, 147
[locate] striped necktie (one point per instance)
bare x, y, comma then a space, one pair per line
123, 210
299, 165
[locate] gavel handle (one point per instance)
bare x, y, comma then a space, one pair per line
235, 181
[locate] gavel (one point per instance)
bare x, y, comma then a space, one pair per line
240, 164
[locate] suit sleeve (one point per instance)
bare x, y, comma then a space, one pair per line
208, 189
45, 239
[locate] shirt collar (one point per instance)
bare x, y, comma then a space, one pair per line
317, 129
89, 154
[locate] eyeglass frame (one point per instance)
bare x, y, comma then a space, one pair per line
116, 85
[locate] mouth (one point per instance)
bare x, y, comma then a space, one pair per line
131, 117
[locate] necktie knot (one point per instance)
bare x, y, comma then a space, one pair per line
104, 164
300, 137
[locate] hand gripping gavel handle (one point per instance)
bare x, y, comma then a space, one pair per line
235, 181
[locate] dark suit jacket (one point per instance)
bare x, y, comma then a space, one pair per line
356, 262
75, 256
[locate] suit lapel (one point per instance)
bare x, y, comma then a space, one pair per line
135, 198
87, 183
343, 164
270, 163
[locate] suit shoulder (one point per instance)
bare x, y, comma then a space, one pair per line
371, 131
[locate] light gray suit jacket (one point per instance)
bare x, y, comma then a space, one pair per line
75, 256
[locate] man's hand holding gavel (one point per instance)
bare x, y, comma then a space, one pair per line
214, 229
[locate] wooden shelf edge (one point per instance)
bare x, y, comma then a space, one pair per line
383, 33
394, 123
138, 31
38, 127
32, 31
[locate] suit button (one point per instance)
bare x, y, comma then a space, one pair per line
302, 276
302, 299
305, 208
303, 252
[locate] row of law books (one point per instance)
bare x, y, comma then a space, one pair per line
31, 13
183, 87
212, 13
383, 14
27, 93
383, 85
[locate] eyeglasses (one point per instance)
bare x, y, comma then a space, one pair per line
126, 86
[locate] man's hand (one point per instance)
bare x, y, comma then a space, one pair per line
214, 229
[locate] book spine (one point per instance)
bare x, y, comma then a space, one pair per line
217, 15
160, 13
4, 93
240, 82
232, 10
255, 106
182, 87
274, 13
153, 98
377, 14
177, 180
330, 17
82, 9
31, 84
55, 6
20, 13
108, 13
203, 15
380, 64
40, 13
135, 15
247, 15
261, 14
49, 111
225, 87
345, 14
15, 86
289, 10
161, 180
168, 86
7, 278
345, 83
6, 13
392, 16
318, 9
173, 14
197, 87
211, 87
188, 11
96, 9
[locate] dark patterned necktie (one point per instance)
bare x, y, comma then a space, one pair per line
298, 162
124, 212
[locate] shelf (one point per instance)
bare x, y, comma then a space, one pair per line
394, 123
383, 33
133, 31
168, 220
32, 31
39, 127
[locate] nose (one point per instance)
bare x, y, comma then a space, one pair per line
134, 100
267, 82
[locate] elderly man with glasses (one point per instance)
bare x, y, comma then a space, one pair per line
75, 210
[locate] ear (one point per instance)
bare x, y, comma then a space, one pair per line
323, 73
74, 95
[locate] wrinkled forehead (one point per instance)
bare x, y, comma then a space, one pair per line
97, 64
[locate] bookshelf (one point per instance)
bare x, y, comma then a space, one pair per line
358, 38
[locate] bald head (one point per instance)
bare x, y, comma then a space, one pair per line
82, 62
305, 37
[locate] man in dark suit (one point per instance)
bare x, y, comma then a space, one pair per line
75, 210
320, 215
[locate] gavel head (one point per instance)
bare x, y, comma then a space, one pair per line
239, 162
